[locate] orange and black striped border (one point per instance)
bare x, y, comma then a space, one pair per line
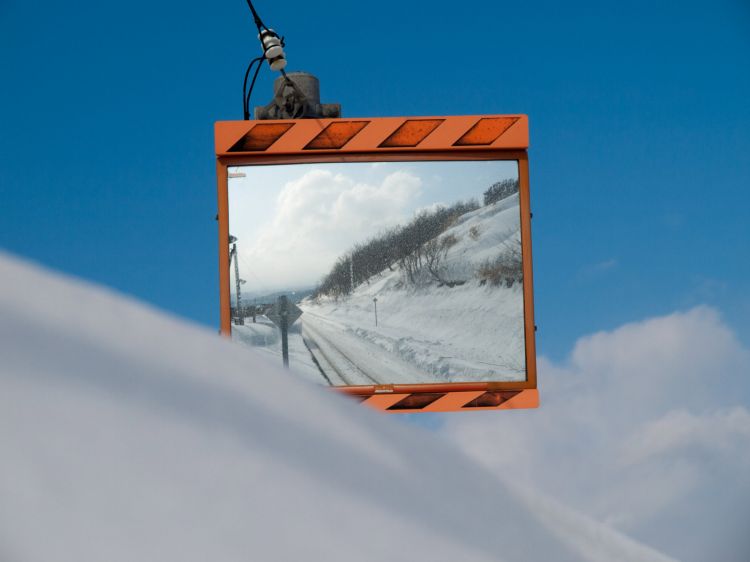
452, 401
474, 137
381, 134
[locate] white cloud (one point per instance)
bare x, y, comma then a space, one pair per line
679, 432
136, 436
320, 215
645, 427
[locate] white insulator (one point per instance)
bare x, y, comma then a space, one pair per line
278, 63
269, 38
272, 49
274, 52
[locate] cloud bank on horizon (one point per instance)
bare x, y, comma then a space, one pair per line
130, 435
645, 427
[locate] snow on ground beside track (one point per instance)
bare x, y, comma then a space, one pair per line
447, 333
467, 332
127, 434
357, 360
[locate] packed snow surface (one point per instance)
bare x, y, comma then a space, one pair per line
430, 331
127, 434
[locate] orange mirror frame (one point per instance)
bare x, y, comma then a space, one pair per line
392, 139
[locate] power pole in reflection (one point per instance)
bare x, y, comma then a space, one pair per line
238, 281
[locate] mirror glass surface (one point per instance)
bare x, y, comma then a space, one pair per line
381, 272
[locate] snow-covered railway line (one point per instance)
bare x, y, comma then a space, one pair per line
354, 359
333, 362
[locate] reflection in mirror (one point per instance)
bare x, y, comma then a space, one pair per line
380, 273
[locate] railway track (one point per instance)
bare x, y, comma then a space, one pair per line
333, 362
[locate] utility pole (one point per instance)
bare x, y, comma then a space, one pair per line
238, 281
375, 300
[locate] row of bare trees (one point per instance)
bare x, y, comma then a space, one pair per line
419, 250
415, 247
500, 190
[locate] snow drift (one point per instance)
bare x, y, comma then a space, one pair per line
130, 435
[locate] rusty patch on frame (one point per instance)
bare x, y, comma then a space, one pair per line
261, 137
417, 401
336, 135
411, 133
490, 399
486, 131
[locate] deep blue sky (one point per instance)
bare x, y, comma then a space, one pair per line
640, 129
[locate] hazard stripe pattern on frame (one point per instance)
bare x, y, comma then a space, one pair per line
442, 401
387, 133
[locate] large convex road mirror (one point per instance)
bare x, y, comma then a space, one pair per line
393, 272
382, 272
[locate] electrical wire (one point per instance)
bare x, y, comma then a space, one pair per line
262, 29
259, 60
250, 91
258, 22
245, 93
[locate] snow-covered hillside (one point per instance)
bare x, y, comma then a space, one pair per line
449, 324
127, 434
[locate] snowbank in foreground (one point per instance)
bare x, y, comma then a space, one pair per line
129, 435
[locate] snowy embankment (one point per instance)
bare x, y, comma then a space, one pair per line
471, 331
128, 434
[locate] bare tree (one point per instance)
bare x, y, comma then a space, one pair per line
435, 252
506, 268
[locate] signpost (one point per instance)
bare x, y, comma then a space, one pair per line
284, 314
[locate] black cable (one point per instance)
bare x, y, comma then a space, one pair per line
262, 30
258, 23
245, 95
250, 91
262, 26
